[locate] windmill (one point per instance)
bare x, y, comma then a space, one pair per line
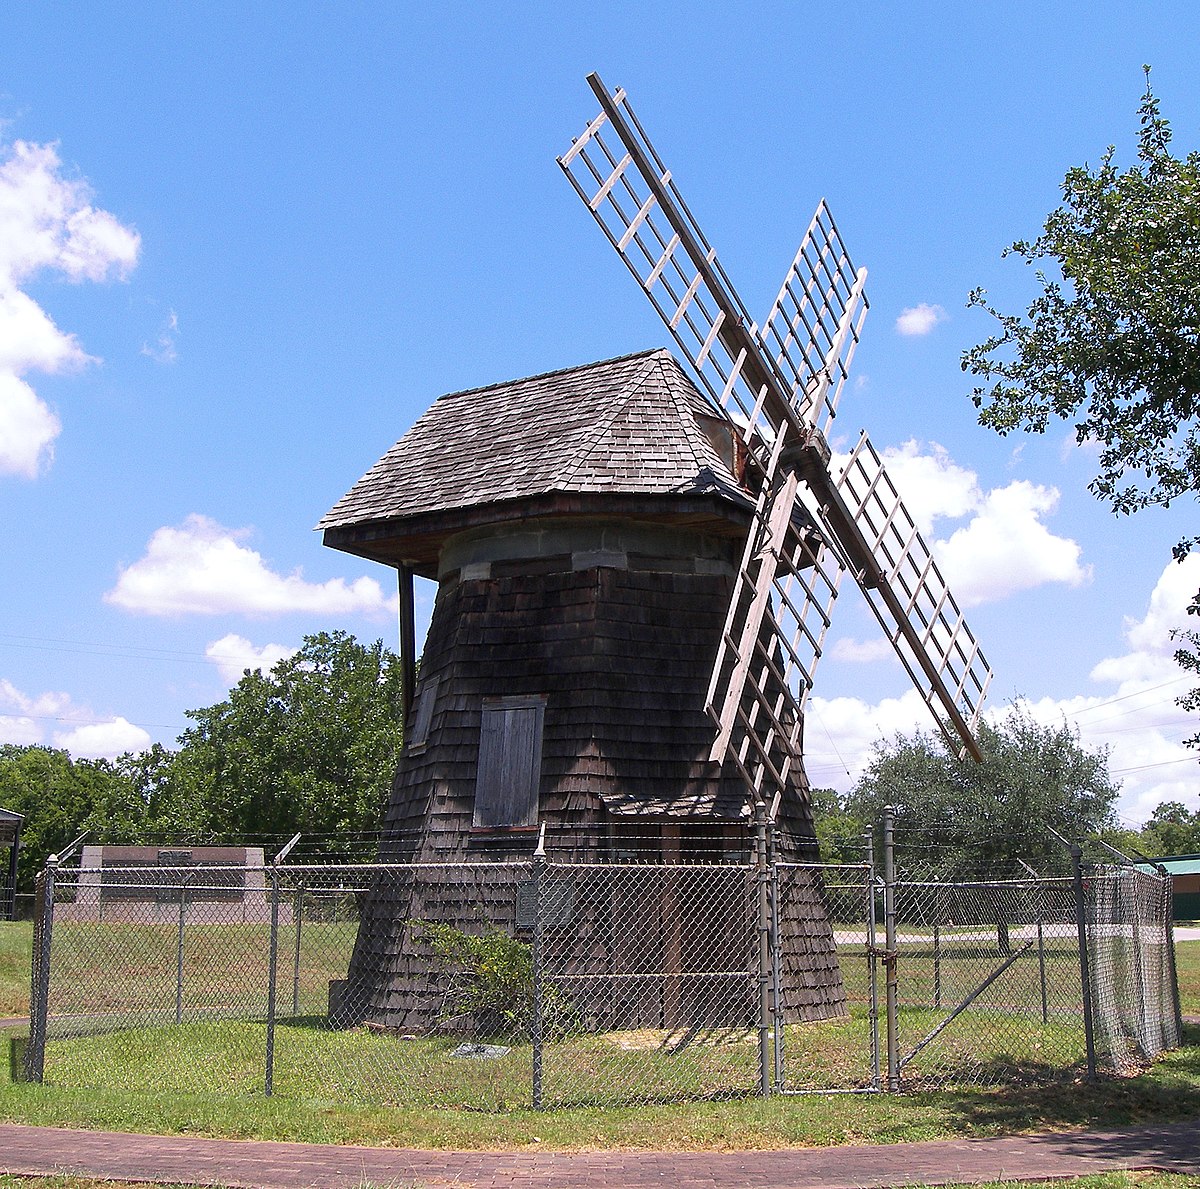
598, 535
779, 387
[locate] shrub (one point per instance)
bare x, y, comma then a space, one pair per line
491, 981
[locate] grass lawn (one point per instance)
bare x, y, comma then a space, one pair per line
1169, 1091
227, 1099
1187, 962
16, 938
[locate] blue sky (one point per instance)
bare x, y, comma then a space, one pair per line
242, 247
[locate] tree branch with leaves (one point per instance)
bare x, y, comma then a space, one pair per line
1112, 342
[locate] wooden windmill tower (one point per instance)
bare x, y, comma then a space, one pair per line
635, 574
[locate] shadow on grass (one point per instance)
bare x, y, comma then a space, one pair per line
1029, 1097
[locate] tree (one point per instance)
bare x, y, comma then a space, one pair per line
1172, 829
309, 747
839, 832
60, 798
965, 818
1115, 344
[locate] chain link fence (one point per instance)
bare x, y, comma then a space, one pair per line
501, 985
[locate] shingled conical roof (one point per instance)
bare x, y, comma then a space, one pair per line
628, 427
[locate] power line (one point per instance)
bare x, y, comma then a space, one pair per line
16, 714
98, 648
1135, 694
1160, 764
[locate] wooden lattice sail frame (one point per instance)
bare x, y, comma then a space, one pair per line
779, 388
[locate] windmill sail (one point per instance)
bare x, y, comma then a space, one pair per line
631, 195
773, 636
779, 387
814, 325
912, 602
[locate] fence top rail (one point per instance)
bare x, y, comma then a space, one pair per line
142, 869
814, 866
978, 884
137, 868
635, 865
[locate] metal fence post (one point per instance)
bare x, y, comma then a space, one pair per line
764, 951
1139, 972
937, 965
777, 1020
1085, 972
179, 950
536, 1031
873, 959
39, 998
889, 957
1041, 936
298, 910
1167, 907
272, 968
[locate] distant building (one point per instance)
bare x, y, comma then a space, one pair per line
1184, 871
10, 840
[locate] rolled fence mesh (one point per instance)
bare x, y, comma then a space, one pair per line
1128, 943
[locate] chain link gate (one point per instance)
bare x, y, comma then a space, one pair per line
988, 982
652, 974
826, 978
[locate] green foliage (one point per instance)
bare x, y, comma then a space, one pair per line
1172, 830
968, 817
309, 747
840, 833
1187, 657
60, 798
491, 981
1114, 344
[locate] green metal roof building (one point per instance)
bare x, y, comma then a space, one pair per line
1184, 871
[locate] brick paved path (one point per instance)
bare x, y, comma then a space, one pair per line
1174, 1148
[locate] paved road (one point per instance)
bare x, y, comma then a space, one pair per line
40, 1150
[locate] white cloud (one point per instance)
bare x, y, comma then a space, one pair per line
201, 568
22, 717
932, 485
53, 719
1138, 717
103, 740
234, 654
27, 428
1004, 547
839, 734
1135, 717
47, 221
858, 652
920, 319
47, 224
163, 349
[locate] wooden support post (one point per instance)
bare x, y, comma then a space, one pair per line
408, 640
